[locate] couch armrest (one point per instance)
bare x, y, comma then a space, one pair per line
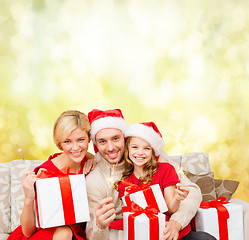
245, 215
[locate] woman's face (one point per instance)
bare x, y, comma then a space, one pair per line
75, 145
140, 151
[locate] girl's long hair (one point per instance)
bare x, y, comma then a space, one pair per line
150, 168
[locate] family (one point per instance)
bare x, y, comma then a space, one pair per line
125, 154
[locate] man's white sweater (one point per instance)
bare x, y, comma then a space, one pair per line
99, 186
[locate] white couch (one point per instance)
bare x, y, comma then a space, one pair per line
11, 193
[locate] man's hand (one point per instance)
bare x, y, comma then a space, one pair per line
104, 212
171, 230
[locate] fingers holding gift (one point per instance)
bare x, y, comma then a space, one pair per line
29, 179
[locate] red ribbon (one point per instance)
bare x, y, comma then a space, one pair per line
147, 191
136, 211
223, 215
66, 193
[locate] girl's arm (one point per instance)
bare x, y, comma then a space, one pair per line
173, 195
28, 215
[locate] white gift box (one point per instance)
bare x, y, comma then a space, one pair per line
206, 220
49, 202
142, 226
140, 199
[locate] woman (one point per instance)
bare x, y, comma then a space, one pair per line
71, 135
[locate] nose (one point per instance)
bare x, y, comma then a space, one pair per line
110, 146
75, 146
140, 151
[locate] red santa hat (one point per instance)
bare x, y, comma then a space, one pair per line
106, 119
149, 132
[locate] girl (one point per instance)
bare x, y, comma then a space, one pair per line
71, 135
144, 145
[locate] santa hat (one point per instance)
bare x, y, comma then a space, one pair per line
149, 132
106, 119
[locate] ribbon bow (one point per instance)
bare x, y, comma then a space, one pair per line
223, 215
137, 210
61, 173
147, 191
132, 188
150, 212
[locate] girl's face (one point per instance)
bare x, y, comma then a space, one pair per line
75, 145
140, 151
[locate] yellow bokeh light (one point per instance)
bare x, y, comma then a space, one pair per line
183, 67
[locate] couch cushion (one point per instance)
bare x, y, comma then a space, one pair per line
195, 163
4, 198
205, 183
18, 168
225, 188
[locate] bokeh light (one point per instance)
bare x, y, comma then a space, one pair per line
182, 64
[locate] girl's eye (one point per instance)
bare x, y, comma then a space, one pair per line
66, 141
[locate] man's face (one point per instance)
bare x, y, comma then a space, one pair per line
111, 144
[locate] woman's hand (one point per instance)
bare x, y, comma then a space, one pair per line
89, 165
181, 192
29, 179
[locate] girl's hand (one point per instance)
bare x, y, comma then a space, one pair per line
29, 179
181, 192
89, 165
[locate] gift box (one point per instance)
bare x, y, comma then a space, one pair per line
221, 219
61, 201
146, 195
143, 224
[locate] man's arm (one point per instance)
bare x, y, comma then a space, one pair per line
100, 211
189, 206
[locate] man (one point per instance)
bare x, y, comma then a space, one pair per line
107, 134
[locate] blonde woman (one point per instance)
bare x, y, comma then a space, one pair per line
71, 136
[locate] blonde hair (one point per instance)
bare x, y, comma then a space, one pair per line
67, 122
150, 168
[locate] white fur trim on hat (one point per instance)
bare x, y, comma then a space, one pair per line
108, 122
148, 134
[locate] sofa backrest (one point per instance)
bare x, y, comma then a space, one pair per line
12, 196
11, 192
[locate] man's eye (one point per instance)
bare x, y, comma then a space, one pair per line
81, 139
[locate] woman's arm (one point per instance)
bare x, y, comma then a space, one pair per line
28, 215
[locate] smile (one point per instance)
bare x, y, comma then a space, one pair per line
76, 154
